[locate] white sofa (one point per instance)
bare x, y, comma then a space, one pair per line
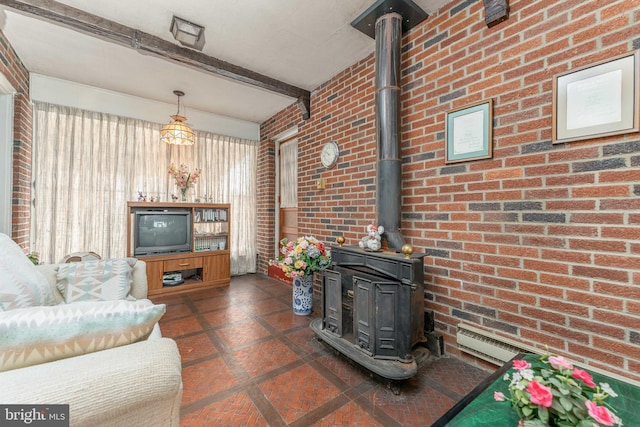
137, 384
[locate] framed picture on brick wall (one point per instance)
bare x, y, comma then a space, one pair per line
597, 100
469, 132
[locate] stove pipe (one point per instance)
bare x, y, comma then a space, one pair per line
388, 37
391, 19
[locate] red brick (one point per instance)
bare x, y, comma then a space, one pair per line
633, 307
478, 289
621, 232
598, 245
624, 320
518, 274
598, 218
616, 346
568, 333
518, 251
534, 337
565, 282
544, 315
597, 327
550, 266
519, 297
515, 319
595, 300
564, 307
606, 355
601, 273
616, 261
571, 180
499, 282
504, 174
602, 191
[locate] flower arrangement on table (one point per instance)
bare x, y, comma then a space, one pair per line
550, 391
184, 179
302, 257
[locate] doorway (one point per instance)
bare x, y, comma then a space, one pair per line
286, 203
288, 206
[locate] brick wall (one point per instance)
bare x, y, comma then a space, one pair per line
541, 243
14, 70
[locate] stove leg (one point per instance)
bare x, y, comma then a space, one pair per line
395, 387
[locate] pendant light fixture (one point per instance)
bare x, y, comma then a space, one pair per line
177, 132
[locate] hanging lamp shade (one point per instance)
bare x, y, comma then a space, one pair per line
177, 132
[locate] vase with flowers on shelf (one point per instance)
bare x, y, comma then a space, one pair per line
184, 179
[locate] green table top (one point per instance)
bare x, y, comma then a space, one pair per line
484, 411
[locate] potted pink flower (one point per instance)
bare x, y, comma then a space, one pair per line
552, 392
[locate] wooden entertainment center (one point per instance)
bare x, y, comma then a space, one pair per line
206, 264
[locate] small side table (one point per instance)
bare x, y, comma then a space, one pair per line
479, 409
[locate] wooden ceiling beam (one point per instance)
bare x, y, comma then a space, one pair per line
92, 25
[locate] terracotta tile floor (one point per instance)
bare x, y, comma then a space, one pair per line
249, 361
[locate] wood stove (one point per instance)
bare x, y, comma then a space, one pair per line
373, 309
373, 302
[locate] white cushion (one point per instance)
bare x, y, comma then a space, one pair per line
35, 335
21, 284
103, 280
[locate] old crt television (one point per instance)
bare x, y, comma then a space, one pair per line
161, 231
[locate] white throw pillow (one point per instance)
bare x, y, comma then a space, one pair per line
35, 335
21, 284
103, 280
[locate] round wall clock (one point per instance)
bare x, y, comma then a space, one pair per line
329, 154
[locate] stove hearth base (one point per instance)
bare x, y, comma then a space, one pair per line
390, 369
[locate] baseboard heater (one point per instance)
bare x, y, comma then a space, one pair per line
499, 350
487, 346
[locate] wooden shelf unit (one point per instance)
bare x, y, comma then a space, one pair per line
207, 264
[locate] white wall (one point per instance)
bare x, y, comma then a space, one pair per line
63, 92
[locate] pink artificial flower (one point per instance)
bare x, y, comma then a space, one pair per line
499, 396
599, 413
586, 378
521, 364
560, 362
540, 394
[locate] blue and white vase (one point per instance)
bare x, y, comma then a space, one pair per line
303, 295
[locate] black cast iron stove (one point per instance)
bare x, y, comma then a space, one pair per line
373, 302
373, 309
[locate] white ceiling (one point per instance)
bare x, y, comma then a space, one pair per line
300, 42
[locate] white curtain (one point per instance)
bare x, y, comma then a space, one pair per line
87, 165
289, 174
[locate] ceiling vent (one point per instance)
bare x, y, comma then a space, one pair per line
187, 33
